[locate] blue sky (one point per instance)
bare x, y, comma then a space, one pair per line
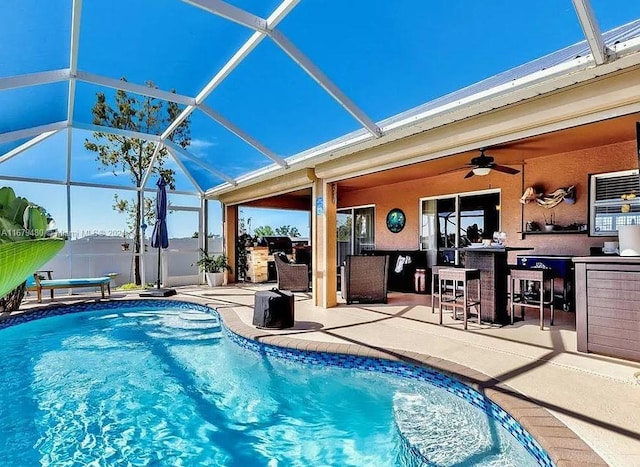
386, 56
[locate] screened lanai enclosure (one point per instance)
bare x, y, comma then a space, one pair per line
100, 98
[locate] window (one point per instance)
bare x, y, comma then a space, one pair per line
614, 201
457, 221
356, 231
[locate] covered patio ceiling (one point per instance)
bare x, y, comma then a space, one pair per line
513, 153
278, 85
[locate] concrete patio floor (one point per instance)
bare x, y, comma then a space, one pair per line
595, 396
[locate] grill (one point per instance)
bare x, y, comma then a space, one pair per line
562, 267
277, 244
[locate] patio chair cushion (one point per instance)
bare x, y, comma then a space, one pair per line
38, 284
83, 282
401, 267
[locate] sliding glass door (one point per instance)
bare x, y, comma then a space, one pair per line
457, 221
356, 231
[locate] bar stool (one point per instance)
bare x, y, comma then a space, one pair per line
453, 291
434, 289
527, 296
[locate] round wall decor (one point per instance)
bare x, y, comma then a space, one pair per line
396, 220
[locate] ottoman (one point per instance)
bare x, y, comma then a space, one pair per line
273, 309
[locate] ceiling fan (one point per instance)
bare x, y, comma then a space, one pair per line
483, 165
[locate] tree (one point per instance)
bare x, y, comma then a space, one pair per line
263, 231
287, 231
283, 231
197, 235
132, 156
243, 240
344, 231
129, 207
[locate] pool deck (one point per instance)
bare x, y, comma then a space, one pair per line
528, 372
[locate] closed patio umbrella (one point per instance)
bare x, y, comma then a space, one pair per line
160, 236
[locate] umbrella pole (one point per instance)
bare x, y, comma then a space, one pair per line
158, 267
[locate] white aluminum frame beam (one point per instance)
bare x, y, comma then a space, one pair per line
143, 136
592, 33
235, 60
115, 131
93, 185
24, 146
76, 13
272, 21
184, 169
69, 154
13, 178
232, 13
175, 148
260, 25
243, 136
147, 174
177, 121
31, 132
224, 10
130, 188
141, 89
34, 79
319, 77
281, 12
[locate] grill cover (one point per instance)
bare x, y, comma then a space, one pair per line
276, 244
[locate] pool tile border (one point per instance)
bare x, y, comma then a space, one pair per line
542, 434
564, 447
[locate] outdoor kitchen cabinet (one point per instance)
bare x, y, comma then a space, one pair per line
608, 305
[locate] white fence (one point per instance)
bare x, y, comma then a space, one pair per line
99, 256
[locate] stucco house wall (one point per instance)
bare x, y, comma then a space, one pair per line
546, 173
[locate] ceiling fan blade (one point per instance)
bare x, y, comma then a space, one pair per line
505, 169
465, 167
470, 174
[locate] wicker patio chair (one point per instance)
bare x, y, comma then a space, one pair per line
364, 279
291, 276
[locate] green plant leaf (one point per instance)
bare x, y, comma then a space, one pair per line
15, 210
35, 221
11, 232
18, 260
7, 195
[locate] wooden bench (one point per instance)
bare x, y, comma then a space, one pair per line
39, 284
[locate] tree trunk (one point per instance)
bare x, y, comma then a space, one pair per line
11, 301
136, 240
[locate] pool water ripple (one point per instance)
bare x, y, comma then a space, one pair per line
146, 386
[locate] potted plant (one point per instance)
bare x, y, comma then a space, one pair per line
214, 268
549, 223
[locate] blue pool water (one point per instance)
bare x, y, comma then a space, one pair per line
147, 386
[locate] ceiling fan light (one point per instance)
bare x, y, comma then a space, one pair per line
481, 171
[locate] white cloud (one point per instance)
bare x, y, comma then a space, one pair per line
198, 143
198, 146
108, 174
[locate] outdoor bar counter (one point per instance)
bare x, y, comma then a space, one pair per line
492, 263
608, 305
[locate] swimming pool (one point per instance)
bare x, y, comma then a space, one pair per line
162, 383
